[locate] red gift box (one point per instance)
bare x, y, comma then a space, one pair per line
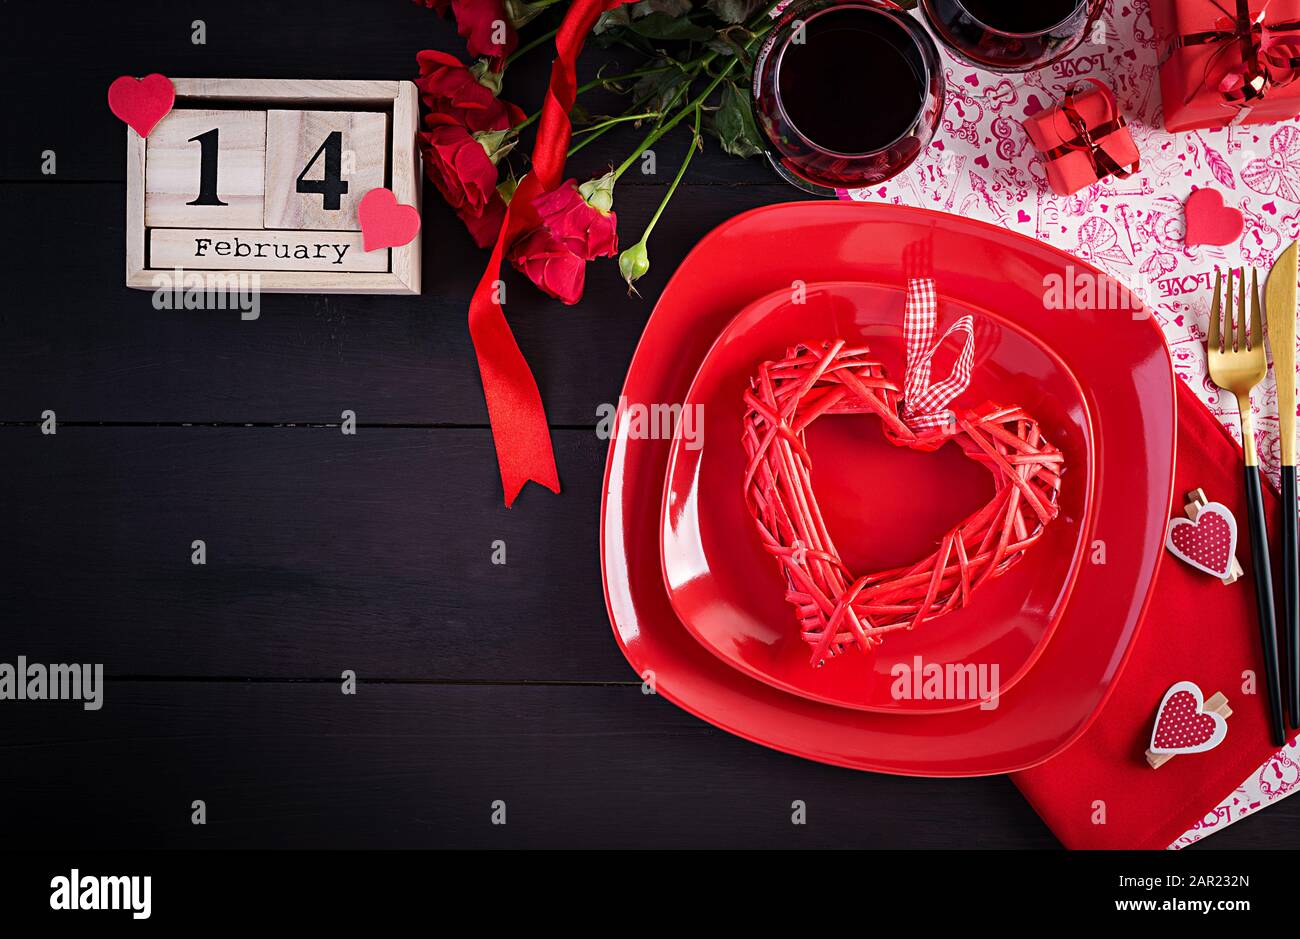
1083, 140
1228, 61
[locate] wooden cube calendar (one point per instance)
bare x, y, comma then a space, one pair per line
265, 175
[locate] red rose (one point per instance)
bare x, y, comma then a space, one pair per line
541, 258
448, 87
484, 24
572, 232
486, 28
484, 226
460, 167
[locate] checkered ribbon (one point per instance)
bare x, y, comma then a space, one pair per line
925, 403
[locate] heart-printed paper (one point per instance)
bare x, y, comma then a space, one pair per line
141, 102
385, 223
1209, 221
1209, 543
1182, 726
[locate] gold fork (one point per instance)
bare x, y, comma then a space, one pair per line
1237, 364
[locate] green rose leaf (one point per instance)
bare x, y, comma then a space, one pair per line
734, 11
731, 41
617, 18
656, 91
733, 123
673, 8
663, 27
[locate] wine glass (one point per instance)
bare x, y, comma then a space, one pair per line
847, 94
1011, 35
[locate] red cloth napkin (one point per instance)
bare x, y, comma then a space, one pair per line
1196, 629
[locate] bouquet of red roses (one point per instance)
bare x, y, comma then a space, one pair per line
695, 64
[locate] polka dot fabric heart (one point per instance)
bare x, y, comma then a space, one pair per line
837, 609
1181, 725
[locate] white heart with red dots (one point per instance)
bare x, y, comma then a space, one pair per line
1182, 726
1209, 543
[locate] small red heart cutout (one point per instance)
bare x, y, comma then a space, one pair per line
141, 102
1209, 543
1209, 221
1181, 724
384, 222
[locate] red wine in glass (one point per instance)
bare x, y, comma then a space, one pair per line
847, 94
1011, 35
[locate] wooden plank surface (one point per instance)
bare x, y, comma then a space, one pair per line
322, 549
420, 765
327, 551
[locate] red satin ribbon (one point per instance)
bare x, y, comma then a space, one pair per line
519, 429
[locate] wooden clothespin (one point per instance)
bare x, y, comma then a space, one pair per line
1181, 725
1195, 499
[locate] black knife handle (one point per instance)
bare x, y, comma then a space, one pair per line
1264, 598
1290, 598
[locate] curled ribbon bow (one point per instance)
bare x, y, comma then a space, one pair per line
1270, 55
925, 403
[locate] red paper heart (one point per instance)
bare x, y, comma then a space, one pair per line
141, 102
1181, 724
1208, 543
1209, 221
385, 223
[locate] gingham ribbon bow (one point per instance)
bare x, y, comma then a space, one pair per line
925, 403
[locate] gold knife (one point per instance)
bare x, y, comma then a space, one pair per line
1279, 298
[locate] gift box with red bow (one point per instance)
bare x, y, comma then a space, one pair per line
1083, 140
1228, 61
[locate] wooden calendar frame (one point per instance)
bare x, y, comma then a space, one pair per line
398, 98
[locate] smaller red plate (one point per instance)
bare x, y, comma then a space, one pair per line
885, 506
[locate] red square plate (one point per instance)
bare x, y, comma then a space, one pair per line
884, 506
1117, 351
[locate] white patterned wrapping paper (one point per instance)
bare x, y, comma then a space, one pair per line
981, 165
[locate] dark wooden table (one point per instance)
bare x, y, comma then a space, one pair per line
326, 552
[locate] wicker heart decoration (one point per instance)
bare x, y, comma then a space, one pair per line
837, 608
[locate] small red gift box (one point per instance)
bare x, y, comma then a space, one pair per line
1083, 139
1228, 61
